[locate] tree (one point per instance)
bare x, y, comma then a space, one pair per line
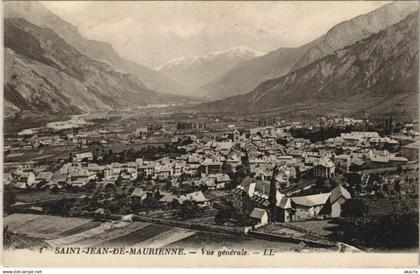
150, 203
174, 204
203, 188
91, 185
9, 199
70, 157
54, 190
61, 207
385, 188
227, 168
339, 151
392, 231
109, 187
168, 184
238, 176
135, 204
222, 217
397, 186
188, 210
354, 208
320, 183
354, 180
272, 196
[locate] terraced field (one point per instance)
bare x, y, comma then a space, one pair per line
41, 226
42, 195
59, 231
56, 231
220, 241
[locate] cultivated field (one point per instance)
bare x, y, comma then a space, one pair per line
42, 195
55, 231
41, 226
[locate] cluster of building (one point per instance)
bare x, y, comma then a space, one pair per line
365, 152
209, 162
252, 197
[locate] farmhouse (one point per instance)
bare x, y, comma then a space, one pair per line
80, 157
44, 177
308, 207
209, 166
259, 216
139, 193
338, 197
197, 197
147, 169
26, 180
411, 151
359, 135
7, 178
221, 180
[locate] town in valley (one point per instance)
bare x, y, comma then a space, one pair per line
210, 128
303, 183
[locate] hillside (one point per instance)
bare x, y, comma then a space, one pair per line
199, 70
378, 75
358, 28
44, 74
249, 75
35, 13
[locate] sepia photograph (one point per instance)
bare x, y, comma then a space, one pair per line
210, 134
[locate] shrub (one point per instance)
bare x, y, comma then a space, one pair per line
354, 208
387, 231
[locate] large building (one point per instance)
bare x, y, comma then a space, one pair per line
253, 193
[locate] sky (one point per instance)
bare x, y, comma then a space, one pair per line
153, 33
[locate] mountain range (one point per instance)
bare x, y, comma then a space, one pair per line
377, 75
35, 13
43, 73
200, 70
248, 75
368, 63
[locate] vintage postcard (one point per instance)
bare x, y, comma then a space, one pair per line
210, 134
